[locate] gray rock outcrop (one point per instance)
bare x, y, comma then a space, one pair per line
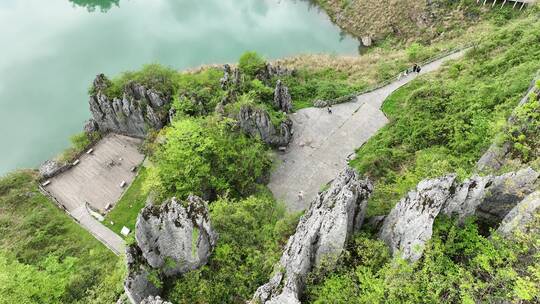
172, 239
51, 167
134, 114
519, 218
490, 199
90, 126
155, 300
256, 122
140, 281
231, 77
366, 40
409, 225
173, 234
320, 236
282, 98
273, 70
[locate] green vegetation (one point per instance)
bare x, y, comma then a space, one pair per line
444, 122
203, 156
251, 234
92, 5
79, 143
308, 86
524, 133
400, 21
459, 266
151, 76
127, 209
45, 257
250, 63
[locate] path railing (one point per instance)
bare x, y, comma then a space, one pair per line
76, 220
352, 96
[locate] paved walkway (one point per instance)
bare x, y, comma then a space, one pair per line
323, 142
95, 181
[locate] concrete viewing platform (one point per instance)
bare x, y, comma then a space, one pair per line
97, 182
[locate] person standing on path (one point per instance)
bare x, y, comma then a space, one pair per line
330, 109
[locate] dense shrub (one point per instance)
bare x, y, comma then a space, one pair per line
459, 266
250, 63
79, 142
46, 257
203, 156
524, 131
445, 121
308, 86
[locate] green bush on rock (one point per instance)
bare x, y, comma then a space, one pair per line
203, 156
250, 63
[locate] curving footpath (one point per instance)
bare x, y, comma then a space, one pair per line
323, 142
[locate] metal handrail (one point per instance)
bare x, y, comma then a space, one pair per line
350, 97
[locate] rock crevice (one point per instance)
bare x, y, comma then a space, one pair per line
321, 235
256, 122
172, 239
139, 109
489, 198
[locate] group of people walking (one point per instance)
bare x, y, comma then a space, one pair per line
415, 69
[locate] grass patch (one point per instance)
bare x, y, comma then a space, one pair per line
38, 240
443, 122
127, 209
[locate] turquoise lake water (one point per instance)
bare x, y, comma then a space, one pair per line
51, 51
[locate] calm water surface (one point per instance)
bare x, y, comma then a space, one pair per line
51, 50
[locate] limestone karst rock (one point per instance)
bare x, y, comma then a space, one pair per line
231, 77
409, 225
90, 126
490, 199
138, 283
172, 239
321, 235
257, 123
50, 168
366, 40
155, 300
273, 70
138, 110
521, 215
282, 98
172, 231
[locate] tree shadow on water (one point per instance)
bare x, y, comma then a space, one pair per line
93, 5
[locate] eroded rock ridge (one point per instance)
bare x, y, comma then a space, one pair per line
321, 235
137, 111
172, 239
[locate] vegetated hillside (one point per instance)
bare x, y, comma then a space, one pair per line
440, 123
45, 257
425, 21
443, 123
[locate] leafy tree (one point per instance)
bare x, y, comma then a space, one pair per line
250, 63
92, 5
46, 282
203, 156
